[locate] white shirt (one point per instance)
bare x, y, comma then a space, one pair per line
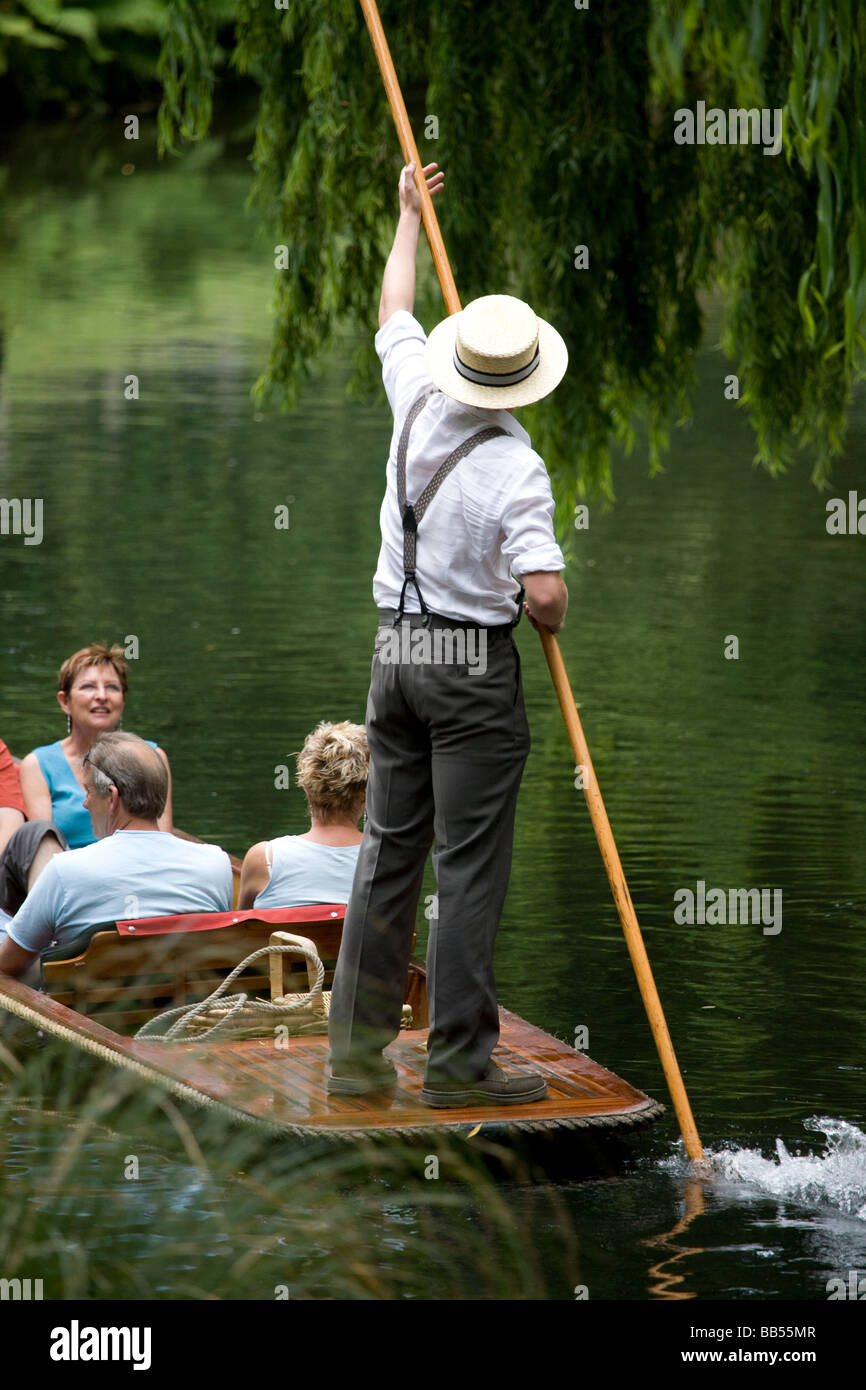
303, 871
132, 873
491, 518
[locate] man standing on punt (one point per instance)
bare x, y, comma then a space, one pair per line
448, 741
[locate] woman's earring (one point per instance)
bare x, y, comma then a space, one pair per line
69, 723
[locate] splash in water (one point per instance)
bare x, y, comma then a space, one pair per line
836, 1177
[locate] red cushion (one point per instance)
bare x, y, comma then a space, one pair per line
210, 921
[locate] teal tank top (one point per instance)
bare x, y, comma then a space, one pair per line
67, 797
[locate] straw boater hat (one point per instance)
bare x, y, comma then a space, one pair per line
496, 354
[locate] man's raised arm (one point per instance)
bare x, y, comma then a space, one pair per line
398, 282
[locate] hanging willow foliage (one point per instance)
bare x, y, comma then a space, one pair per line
555, 127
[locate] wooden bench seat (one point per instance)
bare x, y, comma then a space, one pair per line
141, 967
138, 968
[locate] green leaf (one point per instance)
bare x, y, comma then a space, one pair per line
22, 28
825, 229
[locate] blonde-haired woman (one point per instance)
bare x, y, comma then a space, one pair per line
319, 866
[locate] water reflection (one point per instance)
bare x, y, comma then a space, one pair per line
665, 1279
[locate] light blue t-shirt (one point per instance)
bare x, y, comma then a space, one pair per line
303, 872
132, 873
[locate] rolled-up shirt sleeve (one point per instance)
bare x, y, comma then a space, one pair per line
33, 926
401, 344
529, 540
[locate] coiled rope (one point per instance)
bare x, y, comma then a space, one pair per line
237, 1013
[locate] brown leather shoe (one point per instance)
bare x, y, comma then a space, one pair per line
496, 1087
361, 1078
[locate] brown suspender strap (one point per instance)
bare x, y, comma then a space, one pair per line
412, 513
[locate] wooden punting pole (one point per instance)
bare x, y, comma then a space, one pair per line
556, 665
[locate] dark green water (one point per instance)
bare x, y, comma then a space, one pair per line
159, 523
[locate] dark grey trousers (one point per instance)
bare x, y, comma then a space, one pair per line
17, 857
447, 751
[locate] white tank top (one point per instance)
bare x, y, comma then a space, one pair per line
303, 872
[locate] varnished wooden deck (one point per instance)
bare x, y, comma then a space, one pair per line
285, 1090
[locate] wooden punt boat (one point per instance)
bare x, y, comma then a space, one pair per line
136, 970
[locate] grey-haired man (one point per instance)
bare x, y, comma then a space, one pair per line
133, 870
